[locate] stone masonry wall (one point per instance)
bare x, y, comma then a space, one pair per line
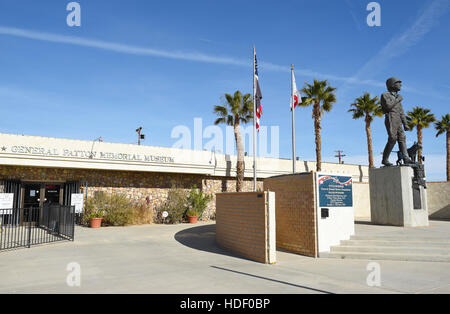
138, 186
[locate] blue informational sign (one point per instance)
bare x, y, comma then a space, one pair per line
335, 191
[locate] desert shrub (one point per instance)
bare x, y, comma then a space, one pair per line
176, 206
142, 214
115, 209
119, 211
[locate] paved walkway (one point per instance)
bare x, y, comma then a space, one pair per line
185, 259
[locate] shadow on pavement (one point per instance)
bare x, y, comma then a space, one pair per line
202, 238
363, 223
271, 279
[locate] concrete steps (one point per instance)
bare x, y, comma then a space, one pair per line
399, 248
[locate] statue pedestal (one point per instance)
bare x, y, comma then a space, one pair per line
395, 200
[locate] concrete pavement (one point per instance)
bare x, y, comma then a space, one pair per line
185, 259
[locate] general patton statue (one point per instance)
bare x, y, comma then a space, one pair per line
396, 125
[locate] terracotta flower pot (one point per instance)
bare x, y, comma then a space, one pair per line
192, 219
95, 222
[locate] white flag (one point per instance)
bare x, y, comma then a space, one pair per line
296, 98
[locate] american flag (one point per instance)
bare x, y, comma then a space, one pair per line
258, 96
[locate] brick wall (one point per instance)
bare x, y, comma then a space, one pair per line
241, 224
295, 212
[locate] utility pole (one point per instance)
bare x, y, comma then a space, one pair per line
140, 136
340, 155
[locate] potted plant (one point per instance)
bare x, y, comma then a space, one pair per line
198, 201
95, 219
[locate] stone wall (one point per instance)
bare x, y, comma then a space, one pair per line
138, 186
438, 194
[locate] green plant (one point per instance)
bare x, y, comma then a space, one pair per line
175, 206
94, 207
197, 201
95, 214
115, 209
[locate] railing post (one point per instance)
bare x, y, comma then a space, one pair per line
72, 214
30, 213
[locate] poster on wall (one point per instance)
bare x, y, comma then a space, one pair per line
335, 190
6, 203
77, 200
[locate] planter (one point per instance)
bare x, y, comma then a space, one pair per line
192, 219
95, 222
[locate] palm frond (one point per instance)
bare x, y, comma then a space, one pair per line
443, 126
420, 117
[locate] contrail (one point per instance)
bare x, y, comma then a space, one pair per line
399, 45
178, 55
121, 48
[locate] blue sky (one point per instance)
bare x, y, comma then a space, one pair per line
159, 64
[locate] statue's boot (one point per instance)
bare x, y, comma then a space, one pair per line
387, 153
406, 159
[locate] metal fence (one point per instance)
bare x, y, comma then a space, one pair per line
24, 227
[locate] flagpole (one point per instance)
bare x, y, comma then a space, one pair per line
293, 120
254, 123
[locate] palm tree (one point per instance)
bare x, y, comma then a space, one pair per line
322, 97
419, 118
442, 127
236, 110
368, 108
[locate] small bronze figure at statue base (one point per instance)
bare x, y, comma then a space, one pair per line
412, 153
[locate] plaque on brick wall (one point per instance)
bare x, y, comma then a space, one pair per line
335, 191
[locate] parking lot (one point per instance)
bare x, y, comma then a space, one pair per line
185, 259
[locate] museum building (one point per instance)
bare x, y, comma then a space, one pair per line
40, 170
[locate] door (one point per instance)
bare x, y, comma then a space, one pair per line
31, 203
32, 195
52, 194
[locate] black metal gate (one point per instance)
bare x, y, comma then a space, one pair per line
24, 227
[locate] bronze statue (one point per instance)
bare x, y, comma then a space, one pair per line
395, 121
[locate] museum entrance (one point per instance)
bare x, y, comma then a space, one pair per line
39, 194
52, 194
32, 195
